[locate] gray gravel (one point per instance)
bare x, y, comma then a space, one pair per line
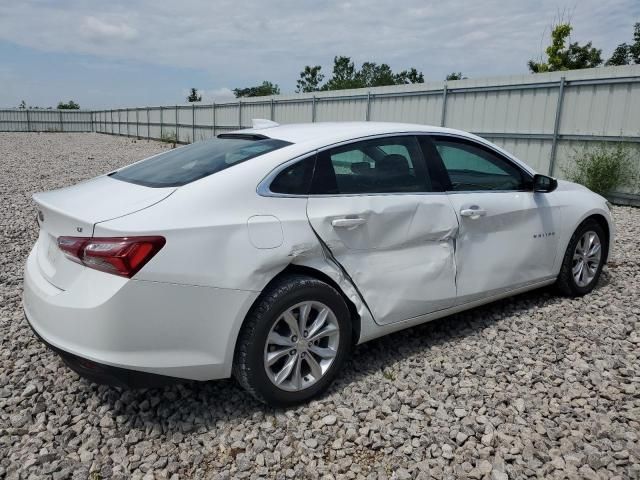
534, 386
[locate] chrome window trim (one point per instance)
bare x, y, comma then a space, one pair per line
263, 188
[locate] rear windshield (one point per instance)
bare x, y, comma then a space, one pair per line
198, 160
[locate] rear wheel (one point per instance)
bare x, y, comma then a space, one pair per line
583, 260
293, 342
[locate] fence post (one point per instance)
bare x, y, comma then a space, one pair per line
271, 113
193, 122
177, 127
213, 119
443, 116
61, 124
28, 121
137, 125
239, 114
126, 112
148, 125
161, 123
368, 106
313, 109
556, 127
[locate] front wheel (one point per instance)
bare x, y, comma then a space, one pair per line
583, 260
293, 342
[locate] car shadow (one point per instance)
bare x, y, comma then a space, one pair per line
196, 405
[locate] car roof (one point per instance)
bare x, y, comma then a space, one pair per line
326, 133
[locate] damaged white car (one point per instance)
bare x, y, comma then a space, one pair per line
269, 252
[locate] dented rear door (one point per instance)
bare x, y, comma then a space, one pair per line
396, 247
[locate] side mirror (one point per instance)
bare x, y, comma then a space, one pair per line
542, 183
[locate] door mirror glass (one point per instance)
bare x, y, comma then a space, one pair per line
542, 183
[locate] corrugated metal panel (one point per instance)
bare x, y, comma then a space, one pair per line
294, 112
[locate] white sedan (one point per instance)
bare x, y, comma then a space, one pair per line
268, 253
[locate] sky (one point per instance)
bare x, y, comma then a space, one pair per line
126, 53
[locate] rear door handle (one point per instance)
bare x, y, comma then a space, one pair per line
347, 222
473, 212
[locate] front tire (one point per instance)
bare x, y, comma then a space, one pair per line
583, 260
293, 342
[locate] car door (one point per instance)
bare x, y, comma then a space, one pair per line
508, 233
373, 206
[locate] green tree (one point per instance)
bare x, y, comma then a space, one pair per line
266, 88
344, 75
23, 105
626, 54
561, 56
71, 105
194, 96
374, 75
310, 79
409, 76
455, 76
620, 56
634, 48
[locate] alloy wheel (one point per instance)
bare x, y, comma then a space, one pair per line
301, 346
586, 258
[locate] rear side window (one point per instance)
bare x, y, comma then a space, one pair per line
295, 179
198, 160
381, 165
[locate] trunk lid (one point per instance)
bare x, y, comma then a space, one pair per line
74, 211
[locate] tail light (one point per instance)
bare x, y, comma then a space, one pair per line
123, 256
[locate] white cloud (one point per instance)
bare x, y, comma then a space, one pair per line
96, 28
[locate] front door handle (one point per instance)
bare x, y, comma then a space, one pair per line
347, 222
473, 212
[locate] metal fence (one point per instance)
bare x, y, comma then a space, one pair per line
541, 118
38, 120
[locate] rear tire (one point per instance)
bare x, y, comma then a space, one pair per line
583, 260
293, 342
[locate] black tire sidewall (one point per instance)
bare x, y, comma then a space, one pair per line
310, 291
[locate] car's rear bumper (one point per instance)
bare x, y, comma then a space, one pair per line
181, 331
107, 374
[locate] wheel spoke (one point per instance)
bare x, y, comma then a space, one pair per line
322, 352
297, 373
318, 322
577, 267
581, 275
594, 250
328, 331
275, 338
303, 317
292, 323
273, 357
285, 372
316, 370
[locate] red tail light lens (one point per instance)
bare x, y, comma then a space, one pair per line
123, 256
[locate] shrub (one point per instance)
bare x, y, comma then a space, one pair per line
603, 168
169, 137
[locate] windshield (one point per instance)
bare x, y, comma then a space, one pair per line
198, 160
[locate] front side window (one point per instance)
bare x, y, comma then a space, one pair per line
471, 167
381, 165
198, 160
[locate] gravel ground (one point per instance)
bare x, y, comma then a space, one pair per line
534, 386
